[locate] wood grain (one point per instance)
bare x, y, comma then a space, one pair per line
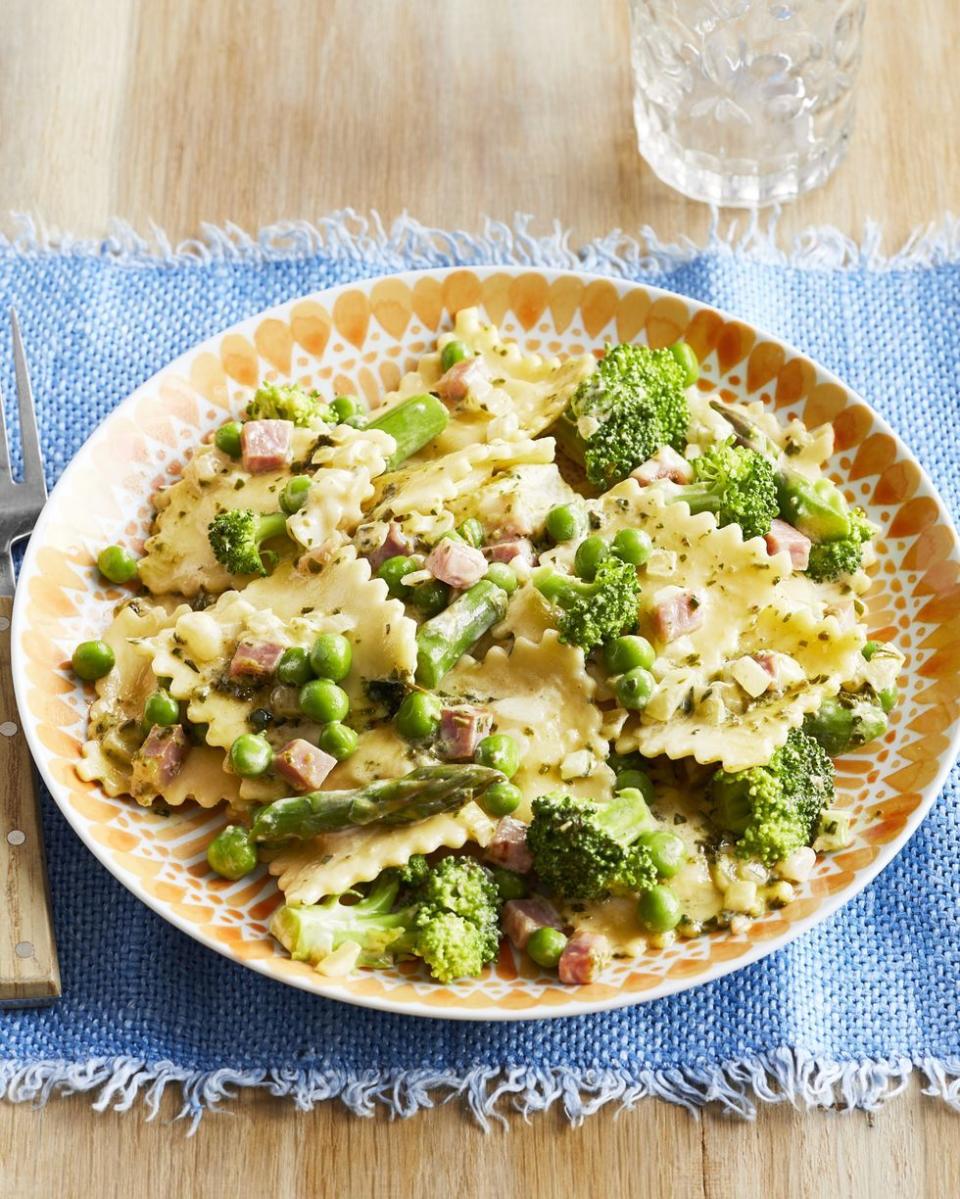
29, 971
251, 111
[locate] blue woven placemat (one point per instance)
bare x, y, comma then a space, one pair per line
844, 1013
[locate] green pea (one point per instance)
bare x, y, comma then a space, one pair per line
633, 546
293, 669
117, 564
323, 701
501, 799
888, 698
659, 909
546, 947
418, 717
636, 780
344, 407
500, 752
472, 532
161, 708
688, 360
870, 648
510, 884
294, 495
331, 657
590, 553
452, 353
251, 755
430, 598
625, 653
231, 853
392, 571
635, 688
338, 740
565, 522
501, 574
92, 660
227, 438
666, 850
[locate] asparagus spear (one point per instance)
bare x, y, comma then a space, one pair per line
416, 796
443, 640
412, 424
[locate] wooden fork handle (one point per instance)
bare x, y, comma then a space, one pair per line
29, 971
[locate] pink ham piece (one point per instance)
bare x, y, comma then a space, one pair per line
303, 764
682, 613
666, 463
266, 445
583, 959
467, 377
456, 563
395, 542
783, 537
522, 918
255, 660
509, 846
159, 760
507, 551
766, 661
461, 731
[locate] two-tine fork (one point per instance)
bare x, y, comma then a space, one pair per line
29, 971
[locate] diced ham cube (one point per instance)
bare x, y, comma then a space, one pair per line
585, 956
467, 377
303, 764
522, 918
509, 846
456, 563
394, 543
666, 463
266, 445
255, 660
515, 547
461, 731
679, 614
784, 537
160, 759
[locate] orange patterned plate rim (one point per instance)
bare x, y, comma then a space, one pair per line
360, 335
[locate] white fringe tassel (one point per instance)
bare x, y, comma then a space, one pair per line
782, 1076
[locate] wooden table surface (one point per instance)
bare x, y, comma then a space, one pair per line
250, 111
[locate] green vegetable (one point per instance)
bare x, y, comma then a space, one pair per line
430, 597
815, 507
688, 360
344, 408
338, 740
666, 850
117, 564
501, 799
624, 653
419, 716
231, 854
294, 495
584, 850
227, 439
501, 574
565, 522
635, 402
847, 720
288, 401
452, 353
236, 537
888, 698
500, 752
738, 485
472, 532
412, 424
832, 560
92, 660
590, 553
772, 810
322, 700
636, 780
658, 909
510, 884
591, 613
331, 657
416, 796
633, 546
251, 755
392, 571
870, 648
545, 947
293, 669
443, 640
161, 708
635, 688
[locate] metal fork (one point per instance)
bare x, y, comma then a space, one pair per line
29, 971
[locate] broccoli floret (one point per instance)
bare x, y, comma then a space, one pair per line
585, 850
288, 401
737, 485
633, 404
590, 612
236, 537
774, 809
831, 560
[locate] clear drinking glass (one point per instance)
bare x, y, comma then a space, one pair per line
744, 102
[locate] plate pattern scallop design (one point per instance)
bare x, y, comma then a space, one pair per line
362, 337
